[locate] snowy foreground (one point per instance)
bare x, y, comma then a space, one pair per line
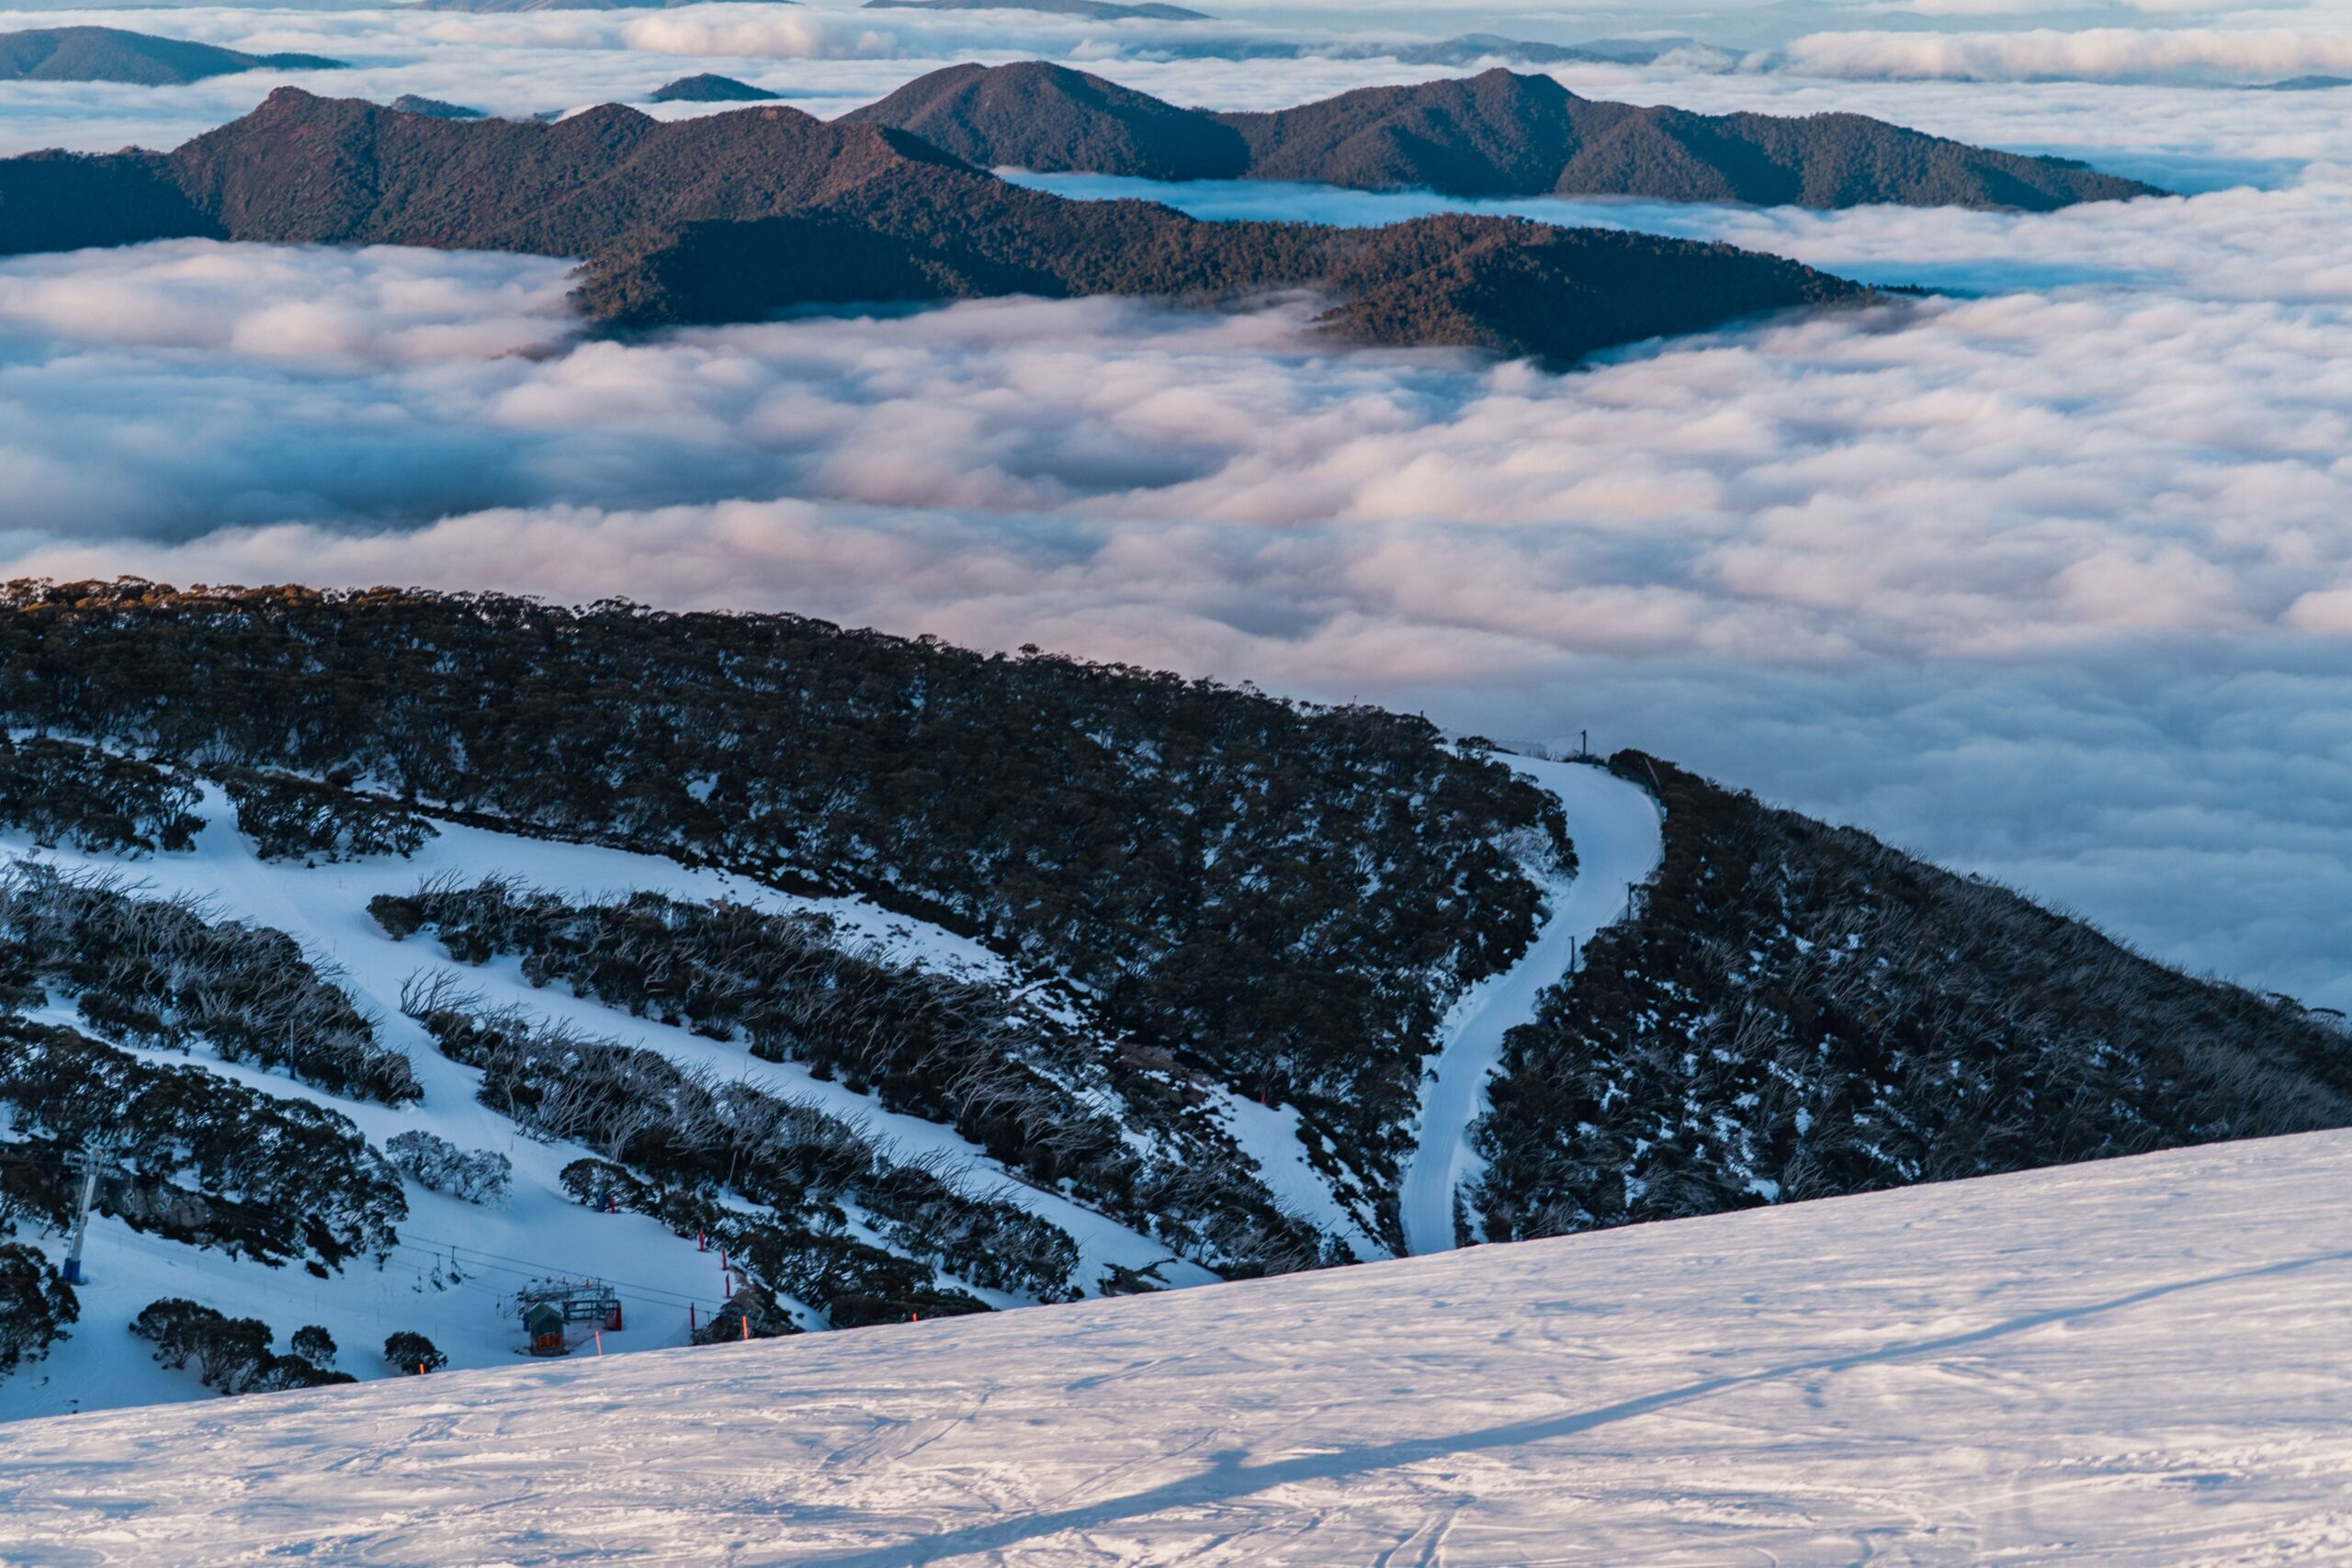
2148, 1361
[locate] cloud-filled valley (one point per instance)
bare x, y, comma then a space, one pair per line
2048, 577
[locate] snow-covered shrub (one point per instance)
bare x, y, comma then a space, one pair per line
63, 792
295, 819
232, 1354
690, 1132
35, 1306
794, 987
198, 1157
481, 1177
750, 1314
157, 971
412, 1353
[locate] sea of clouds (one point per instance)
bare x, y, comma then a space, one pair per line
2048, 575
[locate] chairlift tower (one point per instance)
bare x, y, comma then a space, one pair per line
88, 1162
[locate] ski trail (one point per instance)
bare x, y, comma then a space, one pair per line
1615, 828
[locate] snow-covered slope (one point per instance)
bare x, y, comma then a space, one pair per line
1615, 826
2140, 1362
458, 1262
454, 1271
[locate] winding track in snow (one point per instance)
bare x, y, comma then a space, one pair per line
1615, 827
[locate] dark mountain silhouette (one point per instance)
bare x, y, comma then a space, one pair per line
303, 169
110, 55
1036, 115
1091, 10
2306, 84
707, 88
435, 109
65, 201
1504, 284
1495, 134
736, 216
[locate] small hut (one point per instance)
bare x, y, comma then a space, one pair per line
544, 1323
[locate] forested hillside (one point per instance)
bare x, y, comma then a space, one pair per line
1499, 133
738, 216
113, 54
1289, 895
401, 938
1797, 1010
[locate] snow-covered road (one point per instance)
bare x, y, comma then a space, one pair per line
1615, 827
2142, 1362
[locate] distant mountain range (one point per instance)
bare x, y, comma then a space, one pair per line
1496, 134
111, 54
735, 215
435, 109
707, 88
1090, 10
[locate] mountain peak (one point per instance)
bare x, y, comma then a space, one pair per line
1036, 115
1498, 133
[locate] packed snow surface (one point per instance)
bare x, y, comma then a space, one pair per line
2139, 1362
1615, 826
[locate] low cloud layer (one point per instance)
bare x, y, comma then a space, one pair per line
2096, 54
826, 59
1994, 478
830, 58
2049, 579
2052, 582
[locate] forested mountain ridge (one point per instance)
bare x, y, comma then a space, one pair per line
1291, 892
113, 54
915, 981
736, 216
1796, 1011
1498, 133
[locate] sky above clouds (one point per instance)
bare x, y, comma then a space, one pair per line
2048, 575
